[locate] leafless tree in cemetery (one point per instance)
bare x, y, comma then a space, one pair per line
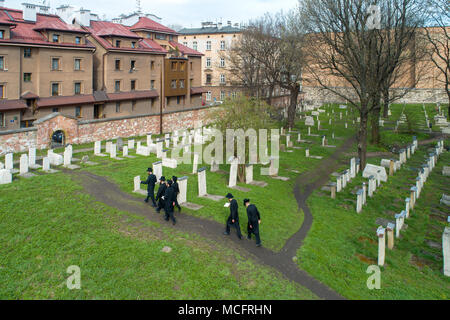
357, 45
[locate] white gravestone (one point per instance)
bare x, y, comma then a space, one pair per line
373, 170
67, 157
157, 169
55, 159
446, 251
170, 163
182, 185
248, 174
23, 164
46, 164
108, 146
149, 139
159, 149
195, 163
137, 186
233, 172
381, 245
9, 162
5, 176
131, 144
32, 158
113, 151
97, 147
202, 182
125, 151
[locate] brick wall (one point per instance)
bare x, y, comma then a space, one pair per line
85, 131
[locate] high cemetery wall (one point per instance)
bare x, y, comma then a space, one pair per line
85, 131
317, 97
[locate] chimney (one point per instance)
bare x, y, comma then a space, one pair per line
29, 12
219, 25
43, 9
84, 17
229, 23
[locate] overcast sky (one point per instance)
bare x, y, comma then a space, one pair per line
183, 12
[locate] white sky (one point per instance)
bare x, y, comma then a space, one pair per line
188, 13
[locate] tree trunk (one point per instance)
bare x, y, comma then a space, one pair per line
362, 139
386, 103
448, 94
293, 106
375, 139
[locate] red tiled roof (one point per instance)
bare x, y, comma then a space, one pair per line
65, 100
6, 105
133, 95
106, 28
28, 33
197, 90
29, 95
145, 23
185, 50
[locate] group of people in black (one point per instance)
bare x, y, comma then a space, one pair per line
166, 198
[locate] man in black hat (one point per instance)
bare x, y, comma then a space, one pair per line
254, 219
160, 194
176, 188
150, 182
169, 200
233, 219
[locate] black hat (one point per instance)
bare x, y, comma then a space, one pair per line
149, 170
246, 200
162, 178
174, 178
169, 182
229, 196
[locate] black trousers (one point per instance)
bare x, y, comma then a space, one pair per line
169, 214
161, 205
235, 225
151, 195
254, 230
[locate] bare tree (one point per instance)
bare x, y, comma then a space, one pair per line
358, 45
439, 38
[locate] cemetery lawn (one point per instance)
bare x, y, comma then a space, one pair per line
342, 244
49, 224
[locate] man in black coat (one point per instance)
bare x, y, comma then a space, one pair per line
176, 188
233, 219
254, 219
169, 200
160, 194
150, 182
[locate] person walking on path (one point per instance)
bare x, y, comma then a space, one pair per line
160, 193
150, 182
169, 202
233, 219
176, 188
254, 219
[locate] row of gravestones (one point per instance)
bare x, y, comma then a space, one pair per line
28, 161
410, 202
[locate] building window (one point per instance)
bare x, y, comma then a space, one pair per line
55, 38
222, 78
27, 52
208, 45
132, 65
160, 36
133, 105
117, 107
2, 34
222, 62
2, 63
27, 77
117, 43
222, 95
117, 85
2, 91
2, 120
55, 110
55, 63
208, 78
170, 37
78, 112
78, 40
55, 89
133, 44
152, 65
222, 45
178, 99
77, 89
133, 85
182, 84
173, 84
194, 45
208, 62
77, 64
152, 84
117, 64
233, 94
174, 66
208, 96
181, 66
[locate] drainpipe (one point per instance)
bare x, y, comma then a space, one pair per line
163, 98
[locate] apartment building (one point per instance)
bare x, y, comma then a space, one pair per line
213, 39
45, 65
86, 68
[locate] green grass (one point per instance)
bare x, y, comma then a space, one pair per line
342, 244
49, 224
